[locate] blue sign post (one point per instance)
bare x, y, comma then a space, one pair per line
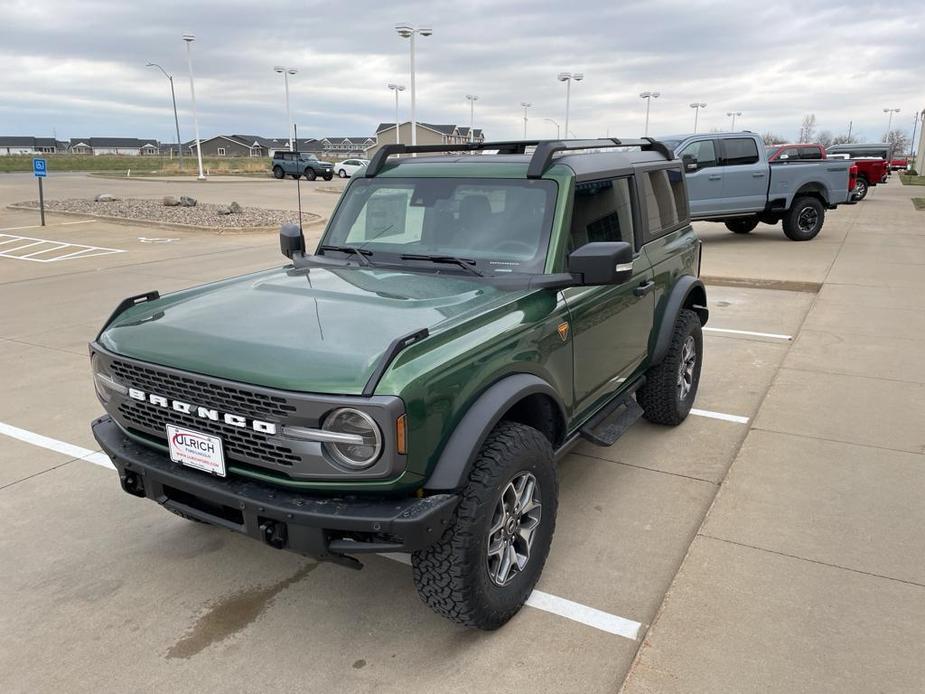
40, 171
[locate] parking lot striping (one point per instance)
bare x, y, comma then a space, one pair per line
750, 332
10, 244
39, 226
62, 447
720, 415
562, 607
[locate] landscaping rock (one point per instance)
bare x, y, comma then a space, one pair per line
225, 209
187, 201
105, 197
170, 201
235, 208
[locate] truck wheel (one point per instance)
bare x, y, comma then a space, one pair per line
804, 219
328, 177
861, 188
671, 385
483, 569
278, 172
310, 174
742, 226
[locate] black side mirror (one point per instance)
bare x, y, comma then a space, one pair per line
291, 241
690, 162
602, 262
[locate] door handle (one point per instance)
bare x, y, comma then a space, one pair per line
715, 177
644, 288
758, 174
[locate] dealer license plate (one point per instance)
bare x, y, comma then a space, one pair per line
195, 449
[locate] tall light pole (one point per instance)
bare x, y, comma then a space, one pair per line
733, 114
176, 120
568, 77
396, 88
555, 123
285, 72
471, 98
915, 122
189, 38
697, 105
648, 96
406, 31
526, 105
889, 123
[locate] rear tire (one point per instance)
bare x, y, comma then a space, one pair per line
861, 188
462, 577
742, 226
671, 385
342, 173
278, 172
310, 174
804, 220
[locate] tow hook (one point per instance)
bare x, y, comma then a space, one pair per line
274, 533
133, 484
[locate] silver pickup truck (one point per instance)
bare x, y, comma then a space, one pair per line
730, 180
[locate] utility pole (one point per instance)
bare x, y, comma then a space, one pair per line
189, 38
526, 106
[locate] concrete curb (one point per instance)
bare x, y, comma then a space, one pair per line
755, 283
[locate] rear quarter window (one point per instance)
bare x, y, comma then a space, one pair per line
738, 151
663, 192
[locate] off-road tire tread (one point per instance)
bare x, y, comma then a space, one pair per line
792, 229
657, 396
441, 573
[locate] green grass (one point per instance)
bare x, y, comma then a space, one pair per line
912, 180
140, 166
919, 203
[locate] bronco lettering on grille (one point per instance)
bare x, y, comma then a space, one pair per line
234, 420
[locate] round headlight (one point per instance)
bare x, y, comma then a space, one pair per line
366, 444
104, 383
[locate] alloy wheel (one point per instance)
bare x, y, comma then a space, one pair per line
513, 527
808, 219
686, 368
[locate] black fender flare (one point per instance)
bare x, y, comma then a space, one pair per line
459, 453
677, 299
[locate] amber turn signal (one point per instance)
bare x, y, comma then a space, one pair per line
401, 433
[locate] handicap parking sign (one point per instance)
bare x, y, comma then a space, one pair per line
38, 168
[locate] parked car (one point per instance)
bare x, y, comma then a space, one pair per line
730, 180
798, 151
899, 164
298, 164
410, 386
871, 171
348, 167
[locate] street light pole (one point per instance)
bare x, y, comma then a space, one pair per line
567, 77
285, 72
915, 122
697, 105
889, 123
526, 106
733, 114
471, 98
189, 38
555, 123
407, 31
648, 96
176, 120
396, 88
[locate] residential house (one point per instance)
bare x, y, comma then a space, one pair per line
14, 144
237, 146
427, 134
128, 146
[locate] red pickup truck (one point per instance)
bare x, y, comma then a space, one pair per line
871, 171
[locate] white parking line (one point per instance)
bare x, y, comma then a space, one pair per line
39, 226
774, 336
590, 616
720, 415
70, 250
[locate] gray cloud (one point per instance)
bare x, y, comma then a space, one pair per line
78, 68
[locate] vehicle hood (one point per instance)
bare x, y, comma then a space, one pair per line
323, 330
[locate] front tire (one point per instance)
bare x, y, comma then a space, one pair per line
804, 220
671, 386
861, 188
742, 226
342, 173
310, 174
487, 562
278, 172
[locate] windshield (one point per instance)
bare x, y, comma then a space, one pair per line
497, 225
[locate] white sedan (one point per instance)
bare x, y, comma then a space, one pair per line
348, 167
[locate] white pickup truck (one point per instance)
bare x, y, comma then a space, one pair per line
730, 180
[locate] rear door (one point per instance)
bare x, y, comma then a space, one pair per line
705, 185
745, 175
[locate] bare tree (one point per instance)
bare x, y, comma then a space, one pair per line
899, 139
844, 140
825, 138
770, 138
808, 128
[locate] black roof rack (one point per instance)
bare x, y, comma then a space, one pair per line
542, 155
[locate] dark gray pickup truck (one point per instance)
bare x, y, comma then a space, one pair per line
730, 180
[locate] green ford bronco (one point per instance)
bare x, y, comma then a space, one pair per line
409, 387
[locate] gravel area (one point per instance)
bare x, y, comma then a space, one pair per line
154, 210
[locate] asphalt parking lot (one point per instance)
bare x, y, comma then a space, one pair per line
776, 533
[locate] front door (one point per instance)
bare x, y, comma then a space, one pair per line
745, 176
609, 325
705, 185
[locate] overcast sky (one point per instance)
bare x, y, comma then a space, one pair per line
78, 68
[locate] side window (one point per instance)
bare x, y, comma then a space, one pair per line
704, 151
740, 150
666, 205
810, 153
789, 154
603, 211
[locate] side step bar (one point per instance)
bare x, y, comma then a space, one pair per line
614, 419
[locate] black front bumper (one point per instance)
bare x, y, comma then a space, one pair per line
327, 528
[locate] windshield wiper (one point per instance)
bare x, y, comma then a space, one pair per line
360, 253
465, 263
